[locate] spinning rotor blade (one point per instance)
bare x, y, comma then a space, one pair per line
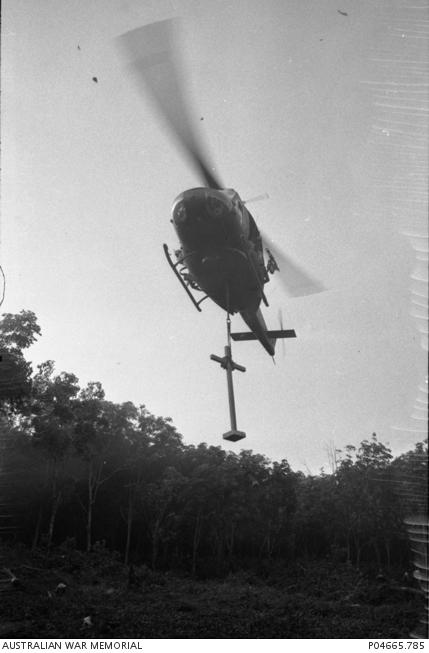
295, 281
154, 59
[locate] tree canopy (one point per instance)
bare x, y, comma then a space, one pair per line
88, 469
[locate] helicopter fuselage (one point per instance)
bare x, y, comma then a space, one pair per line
217, 248
222, 249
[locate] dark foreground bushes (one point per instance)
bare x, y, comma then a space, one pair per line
60, 595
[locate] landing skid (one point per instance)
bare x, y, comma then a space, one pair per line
179, 276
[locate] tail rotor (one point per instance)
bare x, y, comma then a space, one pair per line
280, 318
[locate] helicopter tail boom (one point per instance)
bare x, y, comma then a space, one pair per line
259, 331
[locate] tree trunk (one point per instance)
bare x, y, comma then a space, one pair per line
89, 511
55, 505
377, 553
36, 535
195, 543
349, 555
230, 542
388, 556
56, 500
219, 551
129, 523
155, 543
269, 542
358, 553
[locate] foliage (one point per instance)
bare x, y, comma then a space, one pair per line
93, 470
17, 332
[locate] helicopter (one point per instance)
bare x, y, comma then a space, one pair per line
221, 248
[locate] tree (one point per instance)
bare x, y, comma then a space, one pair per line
162, 501
366, 501
203, 467
279, 503
317, 525
53, 407
410, 479
17, 332
99, 438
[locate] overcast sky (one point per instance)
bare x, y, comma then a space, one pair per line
324, 112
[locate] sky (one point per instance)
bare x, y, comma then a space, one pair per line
323, 112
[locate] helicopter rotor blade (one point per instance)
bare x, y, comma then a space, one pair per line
153, 58
295, 281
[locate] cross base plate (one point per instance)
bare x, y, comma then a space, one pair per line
234, 436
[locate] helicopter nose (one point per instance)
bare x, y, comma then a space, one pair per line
200, 205
188, 211
215, 206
